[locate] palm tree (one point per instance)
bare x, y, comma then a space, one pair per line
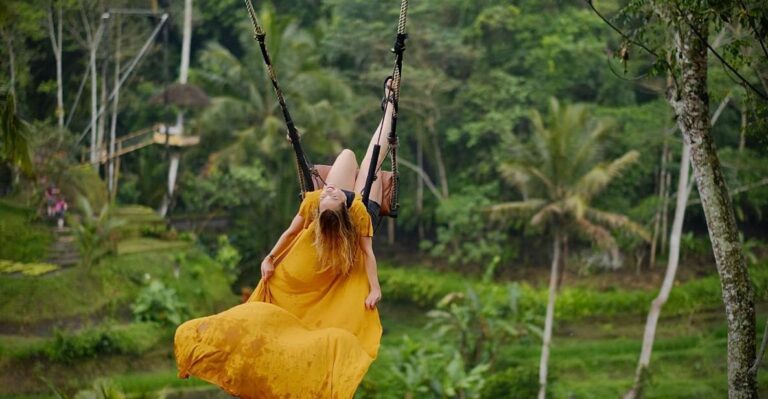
14, 144
245, 116
558, 172
244, 102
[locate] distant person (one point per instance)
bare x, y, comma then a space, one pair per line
311, 329
59, 211
50, 200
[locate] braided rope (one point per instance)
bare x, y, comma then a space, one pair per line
303, 166
393, 140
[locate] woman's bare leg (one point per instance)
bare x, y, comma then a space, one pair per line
380, 137
342, 173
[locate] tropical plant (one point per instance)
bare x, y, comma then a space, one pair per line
94, 232
14, 143
228, 256
558, 173
244, 107
478, 326
160, 304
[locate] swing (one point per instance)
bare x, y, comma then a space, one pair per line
312, 177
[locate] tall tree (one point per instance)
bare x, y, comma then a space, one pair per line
558, 173
690, 28
683, 192
688, 24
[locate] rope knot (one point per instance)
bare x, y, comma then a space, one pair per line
399, 46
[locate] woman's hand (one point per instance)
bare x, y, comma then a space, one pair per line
267, 268
373, 298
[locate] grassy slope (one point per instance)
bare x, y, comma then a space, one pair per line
688, 359
111, 285
21, 240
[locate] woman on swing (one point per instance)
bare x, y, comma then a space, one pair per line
311, 328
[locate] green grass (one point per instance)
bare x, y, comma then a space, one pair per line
136, 245
424, 287
22, 239
113, 284
26, 269
137, 383
689, 359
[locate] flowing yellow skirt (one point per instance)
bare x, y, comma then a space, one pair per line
305, 334
258, 350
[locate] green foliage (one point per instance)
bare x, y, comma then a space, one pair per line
514, 382
27, 269
160, 304
693, 246
101, 389
228, 256
14, 142
133, 339
83, 181
465, 237
23, 239
201, 285
434, 370
422, 287
94, 232
560, 170
479, 326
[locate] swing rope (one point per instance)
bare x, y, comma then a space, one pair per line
398, 49
304, 168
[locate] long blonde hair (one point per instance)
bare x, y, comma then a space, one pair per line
336, 240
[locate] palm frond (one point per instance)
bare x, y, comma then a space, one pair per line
619, 222
601, 175
546, 214
575, 206
598, 234
516, 175
517, 208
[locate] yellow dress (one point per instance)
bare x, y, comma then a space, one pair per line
303, 334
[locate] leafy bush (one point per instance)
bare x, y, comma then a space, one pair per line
102, 389
157, 303
83, 181
228, 256
94, 233
512, 383
21, 239
434, 369
479, 326
424, 288
134, 339
467, 237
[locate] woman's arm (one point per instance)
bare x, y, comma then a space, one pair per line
268, 264
374, 296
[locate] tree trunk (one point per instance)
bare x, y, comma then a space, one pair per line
54, 33
113, 126
563, 262
442, 174
743, 128
94, 100
669, 278
420, 189
104, 114
692, 116
665, 204
661, 181
549, 318
183, 75
11, 61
